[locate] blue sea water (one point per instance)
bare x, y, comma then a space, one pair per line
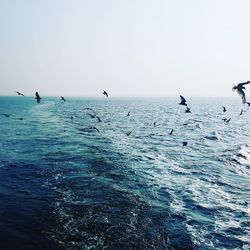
64, 185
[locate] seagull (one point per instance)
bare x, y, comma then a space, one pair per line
241, 112
6, 115
105, 93
128, 134
188, 110
239, 87
183, 101
171, 132
185, 143
38, 98
19, 93
63, 99
224, 109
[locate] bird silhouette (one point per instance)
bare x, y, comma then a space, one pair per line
6, 115
183, 101
188, 110
38, 98
184, 144
224, 109
239, 87
171, 132
63, 99
105, 93
128, 133
19, 93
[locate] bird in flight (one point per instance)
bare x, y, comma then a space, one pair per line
6, 115
19, 93
128, 134
184, 144
38, 98
171, 132
239, 87
63, 99
183, 101
188, 110
128, 114
224, 109
105, 93
241, 112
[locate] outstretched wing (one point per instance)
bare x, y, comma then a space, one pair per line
183, 100
243, 83
242, 95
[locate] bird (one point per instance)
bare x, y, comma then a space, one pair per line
105, 93
171, 132
241, 112
155, 123
38, 98
224, 109
19, 93
183, 101
228, 120
188, 110
239, 87
63, 99
185, 143
6, 115
94, 128
224, 119
90, 109
128, 133
128, 114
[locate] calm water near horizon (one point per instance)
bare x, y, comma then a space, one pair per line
63, 185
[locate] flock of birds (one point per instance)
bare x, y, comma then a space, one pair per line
239, 88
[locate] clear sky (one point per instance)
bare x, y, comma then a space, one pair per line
127, 47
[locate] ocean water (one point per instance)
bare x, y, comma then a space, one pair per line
64, 185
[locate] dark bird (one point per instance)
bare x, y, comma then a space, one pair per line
183, 101
128, 114
228, 120
90, 109
63, 99
105, 93
92, 116
98, 119
241, 112
171, 132
6, 115
188, 110
155, 124
19, 93
71, 118
128, 134
224, 109
38, 98
224, 119
184, 144
239, 87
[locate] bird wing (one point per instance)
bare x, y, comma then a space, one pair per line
183, 100
242, 95
243, 83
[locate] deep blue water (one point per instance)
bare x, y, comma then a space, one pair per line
65, 186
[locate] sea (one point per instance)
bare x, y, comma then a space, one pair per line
71, 181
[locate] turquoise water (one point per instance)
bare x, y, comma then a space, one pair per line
63, 185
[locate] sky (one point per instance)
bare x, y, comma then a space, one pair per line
127, 47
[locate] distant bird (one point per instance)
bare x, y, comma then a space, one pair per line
224, 109
241, 112
224, 119
228, 120
63, 99
239, 87
128, 134
128, 114
184, 144
105, 93
171, 132
98, 119
183, 101
188, 110
19, 93
92, 116
90, 109
155, 123
6, 115
38, 98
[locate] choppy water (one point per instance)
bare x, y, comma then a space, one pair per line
65, 186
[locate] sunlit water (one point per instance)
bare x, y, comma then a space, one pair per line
65, 186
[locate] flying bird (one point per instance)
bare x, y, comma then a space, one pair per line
183, 101
239, 87
6, 115
184, 144
63, 99
105, 93
98, 119
90, 109
128, 134
171, 132
38, 98
128, 114
224, 109
19, 93
155, 124
241, 112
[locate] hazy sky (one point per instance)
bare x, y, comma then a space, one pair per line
127, 47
